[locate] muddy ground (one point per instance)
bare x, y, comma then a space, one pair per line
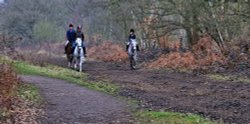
179, 92
225, 101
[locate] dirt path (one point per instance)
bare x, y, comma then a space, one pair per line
179, 92
70, 104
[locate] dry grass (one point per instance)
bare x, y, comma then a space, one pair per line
35, 58
41, 56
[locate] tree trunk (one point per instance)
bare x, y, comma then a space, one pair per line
189, 38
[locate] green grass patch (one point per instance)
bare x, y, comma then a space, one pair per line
4, 113
152, 117
65, 74
29, 92
231, 78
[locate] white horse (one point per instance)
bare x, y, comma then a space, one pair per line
132, 53
78, 55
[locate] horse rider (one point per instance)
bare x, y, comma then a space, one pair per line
79, 34
131, 37
71, 37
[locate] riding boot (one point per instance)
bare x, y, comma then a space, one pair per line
72, 50
127, 48
137, 48
84, 50
65, 49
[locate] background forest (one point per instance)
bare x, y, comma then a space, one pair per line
156, 21
208, 31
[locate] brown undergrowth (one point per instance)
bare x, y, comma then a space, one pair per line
108, 52
203, 54
13, 109
8, 84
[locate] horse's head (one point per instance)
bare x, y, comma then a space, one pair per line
78, 42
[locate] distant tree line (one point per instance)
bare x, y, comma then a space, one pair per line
185, 20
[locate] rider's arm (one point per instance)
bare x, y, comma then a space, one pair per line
74, 35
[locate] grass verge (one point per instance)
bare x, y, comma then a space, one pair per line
29, 92
65, 74
231, 78
152, 117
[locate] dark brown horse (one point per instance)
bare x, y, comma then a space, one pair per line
69, 53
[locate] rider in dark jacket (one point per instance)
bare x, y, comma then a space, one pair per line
132, 36
79, 34
71, 36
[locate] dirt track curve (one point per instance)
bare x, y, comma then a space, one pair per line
68, 103
179, 92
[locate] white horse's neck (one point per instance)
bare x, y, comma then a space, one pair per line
133, 44
132, 48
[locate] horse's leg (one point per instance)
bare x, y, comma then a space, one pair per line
69, 61
81, 60
75, 62
135, 58
134, 63
75, 58
69, 64
131, 62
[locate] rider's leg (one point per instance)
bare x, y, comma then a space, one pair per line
65, 49
137, 48
73, 46
127, 48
